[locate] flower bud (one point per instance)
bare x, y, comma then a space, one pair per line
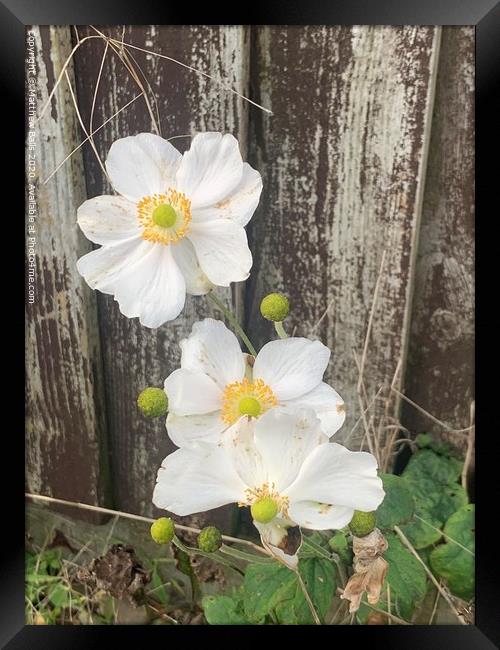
209, 539
362, 523
264, 510
275, 307
163, 530
153, 402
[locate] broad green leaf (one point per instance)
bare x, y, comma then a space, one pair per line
406, 577
223, 610
427, 464
264, 587
398, 505
274, 590
452, 562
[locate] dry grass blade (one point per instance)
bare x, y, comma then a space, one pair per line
470, 449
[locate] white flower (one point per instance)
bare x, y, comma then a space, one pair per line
176, 226
216, 383
282, 458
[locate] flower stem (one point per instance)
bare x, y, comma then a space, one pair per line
234, 322
309, 602
278, 326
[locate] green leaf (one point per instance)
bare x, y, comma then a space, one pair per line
223, 610
450, 561
274, 590
58, 595
427, 464
406, 577
264, 587
398, 505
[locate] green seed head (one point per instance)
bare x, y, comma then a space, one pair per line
153, 402
275, 307
163, 530
164, 215
249, 406
362, 523
264, 510
209, 539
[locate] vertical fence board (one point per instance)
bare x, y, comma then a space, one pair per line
135, 356
341, 159
440, 373
66, 437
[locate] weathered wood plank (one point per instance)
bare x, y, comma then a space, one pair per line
66, 436
135, 356
440, 372
342, 160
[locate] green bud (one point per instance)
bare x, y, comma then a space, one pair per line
164, 215
264, 510
362, 523
275, 307
209, 539
163, 530
153, 402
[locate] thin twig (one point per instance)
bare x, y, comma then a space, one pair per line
234, 322
370, 321
434, 609
394, 618
309, 602
470, 448
429, 415
447, 537
128, 515
442, 591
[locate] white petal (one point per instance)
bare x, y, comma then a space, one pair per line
240, 205
273, 537
108, 219
222, 250
195, 480
248, 462
285, 439
333, 474
197, 283
211, 169
214, 350
327, 404
320, 516
103, 267
141, 165
190, 392
153, 288
291, 367
187, 430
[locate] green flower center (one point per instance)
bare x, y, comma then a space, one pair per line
249, 406
264, 510
164, 215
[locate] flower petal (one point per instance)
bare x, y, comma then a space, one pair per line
214, 350
291, 367
108, 219
103, 267
222, 250
333, 474
153, 288
191, 392
282, 540
247, 460
319, 516
195, 480
327, 404
187, 430
238, 206
141, 165
211, 169
197, 283
285, 438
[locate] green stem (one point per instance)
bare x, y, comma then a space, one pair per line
216, 557
309, 602
247, 557
234, 322
280, 331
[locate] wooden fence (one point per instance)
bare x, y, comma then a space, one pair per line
367, 157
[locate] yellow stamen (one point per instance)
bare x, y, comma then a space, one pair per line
265, 495
246, 398
164, 218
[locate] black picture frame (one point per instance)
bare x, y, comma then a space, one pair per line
15, 15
